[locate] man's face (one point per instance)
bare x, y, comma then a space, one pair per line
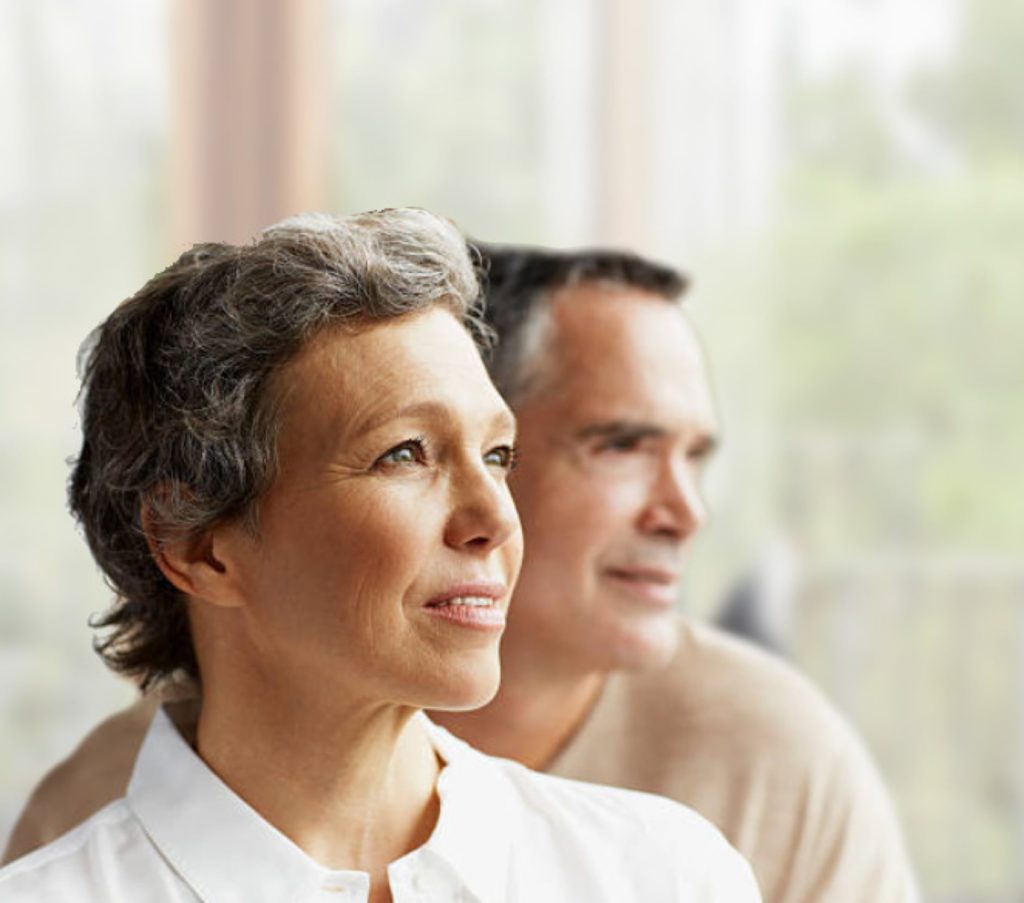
612, 439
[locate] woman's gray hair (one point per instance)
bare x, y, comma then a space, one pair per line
179, 409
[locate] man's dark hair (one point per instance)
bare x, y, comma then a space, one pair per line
180, 409
518, 283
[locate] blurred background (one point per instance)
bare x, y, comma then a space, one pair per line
843, 178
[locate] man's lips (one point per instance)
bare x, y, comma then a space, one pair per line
654, 584
646, 574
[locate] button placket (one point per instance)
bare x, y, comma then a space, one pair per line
343, 889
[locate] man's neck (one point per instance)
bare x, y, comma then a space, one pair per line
533, 717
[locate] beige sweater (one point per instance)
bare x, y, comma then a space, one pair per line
748, 742
731, 732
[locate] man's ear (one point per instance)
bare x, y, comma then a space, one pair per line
194, 563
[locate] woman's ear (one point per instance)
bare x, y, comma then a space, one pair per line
194, 563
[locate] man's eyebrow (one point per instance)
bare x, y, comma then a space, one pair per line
636, 429
703, 445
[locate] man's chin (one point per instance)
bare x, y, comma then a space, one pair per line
645, 646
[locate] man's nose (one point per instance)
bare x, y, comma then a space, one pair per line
675, 506
482, 515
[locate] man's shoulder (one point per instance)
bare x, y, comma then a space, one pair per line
749, 742
63, 870
723, 709
719, 687
95, 774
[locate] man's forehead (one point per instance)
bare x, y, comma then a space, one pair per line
611, 331
620, 319
569, 301
622, 355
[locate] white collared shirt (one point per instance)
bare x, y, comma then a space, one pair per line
505, 834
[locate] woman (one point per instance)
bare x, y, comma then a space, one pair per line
293, 472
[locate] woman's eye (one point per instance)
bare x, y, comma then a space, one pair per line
504, 456
410, 452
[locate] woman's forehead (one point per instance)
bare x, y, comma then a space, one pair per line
348, 382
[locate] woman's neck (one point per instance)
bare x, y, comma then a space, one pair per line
354, 789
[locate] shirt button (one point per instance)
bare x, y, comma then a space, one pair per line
428, 883
338, 892
338, 888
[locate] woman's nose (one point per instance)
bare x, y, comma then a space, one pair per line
483, 515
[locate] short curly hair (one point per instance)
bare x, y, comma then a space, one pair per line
178, 411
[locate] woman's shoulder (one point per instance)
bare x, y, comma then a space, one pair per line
652, 847
592, 808
646, 841
601, 808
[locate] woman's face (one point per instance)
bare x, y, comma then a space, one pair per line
388, 544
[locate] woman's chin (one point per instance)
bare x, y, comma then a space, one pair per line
468, 687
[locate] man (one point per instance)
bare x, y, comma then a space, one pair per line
600, 679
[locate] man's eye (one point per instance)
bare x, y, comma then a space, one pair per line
412, 451
503, 456
627, 442
697, 458
699, 454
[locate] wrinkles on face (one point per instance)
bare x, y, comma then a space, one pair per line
353, 543
608, 489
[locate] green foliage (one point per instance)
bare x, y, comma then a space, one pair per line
898, 290
898, 304
431, 124
978, 100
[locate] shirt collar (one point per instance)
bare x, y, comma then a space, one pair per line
226, 851
208, 834
478, 816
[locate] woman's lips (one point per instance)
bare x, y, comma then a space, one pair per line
478, 617
653, 585
473, 605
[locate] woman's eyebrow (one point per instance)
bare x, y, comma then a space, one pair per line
378, 417
429, 410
